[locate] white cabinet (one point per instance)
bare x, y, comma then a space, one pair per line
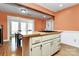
44, 45
36, 50
35, 40
56, 41
52, 48
56, 44
46, 49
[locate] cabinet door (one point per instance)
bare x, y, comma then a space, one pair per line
56, 44
36, 51
56, 41
46, 49
52, 49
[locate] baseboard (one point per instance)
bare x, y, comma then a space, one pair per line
5, 40
70, 45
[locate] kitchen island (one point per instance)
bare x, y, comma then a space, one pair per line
41, 43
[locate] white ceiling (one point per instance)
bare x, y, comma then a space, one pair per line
56, 6
13, 8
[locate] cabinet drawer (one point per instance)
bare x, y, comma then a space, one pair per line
45, 38
35, 40
55, 36
50, 37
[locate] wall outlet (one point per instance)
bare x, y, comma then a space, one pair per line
74, 40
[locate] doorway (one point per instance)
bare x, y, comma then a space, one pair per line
26, 26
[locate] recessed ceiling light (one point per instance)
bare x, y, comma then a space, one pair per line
44, 16
60, 5
23, 11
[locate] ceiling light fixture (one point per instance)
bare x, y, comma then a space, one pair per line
44, 16
23, 10
60, 5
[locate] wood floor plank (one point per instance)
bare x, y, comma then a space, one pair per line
6, 50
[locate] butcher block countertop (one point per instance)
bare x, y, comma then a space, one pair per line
35, 34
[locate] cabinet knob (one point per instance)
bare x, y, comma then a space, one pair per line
40, 46
31, 49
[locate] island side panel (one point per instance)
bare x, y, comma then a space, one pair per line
25, 46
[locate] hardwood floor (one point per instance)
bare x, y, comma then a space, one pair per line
8, 50
67, 50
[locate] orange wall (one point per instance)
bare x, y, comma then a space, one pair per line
67, 19
40, 24
3, 21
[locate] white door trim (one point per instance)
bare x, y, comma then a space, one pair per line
14, 18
